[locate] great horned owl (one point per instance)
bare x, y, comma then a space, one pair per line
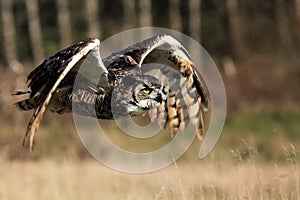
77, 80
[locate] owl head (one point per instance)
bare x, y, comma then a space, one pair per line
134, 95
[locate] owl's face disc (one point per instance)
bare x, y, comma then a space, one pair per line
134, 95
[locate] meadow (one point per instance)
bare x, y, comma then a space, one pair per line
256, 157
253, 167
65, 179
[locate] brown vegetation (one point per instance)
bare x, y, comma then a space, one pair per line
48, 179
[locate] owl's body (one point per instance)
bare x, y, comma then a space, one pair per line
123, 81
77, 80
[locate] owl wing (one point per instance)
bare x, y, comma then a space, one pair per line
44, 80
185, 103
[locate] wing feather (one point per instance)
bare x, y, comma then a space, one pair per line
183, 105
49, 75
191, 100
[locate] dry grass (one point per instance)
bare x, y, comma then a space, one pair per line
48, 179
57, 172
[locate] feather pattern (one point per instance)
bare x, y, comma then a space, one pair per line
118, 79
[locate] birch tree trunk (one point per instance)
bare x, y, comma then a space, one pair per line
175, 16
297, 7
144, 14
9, 33
195, 19
297, 10
284, 33
64, 22
35, 30
235, 28
129, 13
92, 10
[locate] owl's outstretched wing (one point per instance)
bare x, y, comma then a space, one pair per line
186, 103
44, 80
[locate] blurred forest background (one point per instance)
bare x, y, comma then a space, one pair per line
254, 43
256, 46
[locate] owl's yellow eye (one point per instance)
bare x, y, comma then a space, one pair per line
146, 91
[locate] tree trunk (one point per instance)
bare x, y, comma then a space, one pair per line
297, 10
9, 33
297, 7
129, 14
195, 19
64, 22
35, 30
175, 16
92, 10
145, 17
235, 28
283, 29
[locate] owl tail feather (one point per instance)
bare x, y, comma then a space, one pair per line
20, 92
26, 104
